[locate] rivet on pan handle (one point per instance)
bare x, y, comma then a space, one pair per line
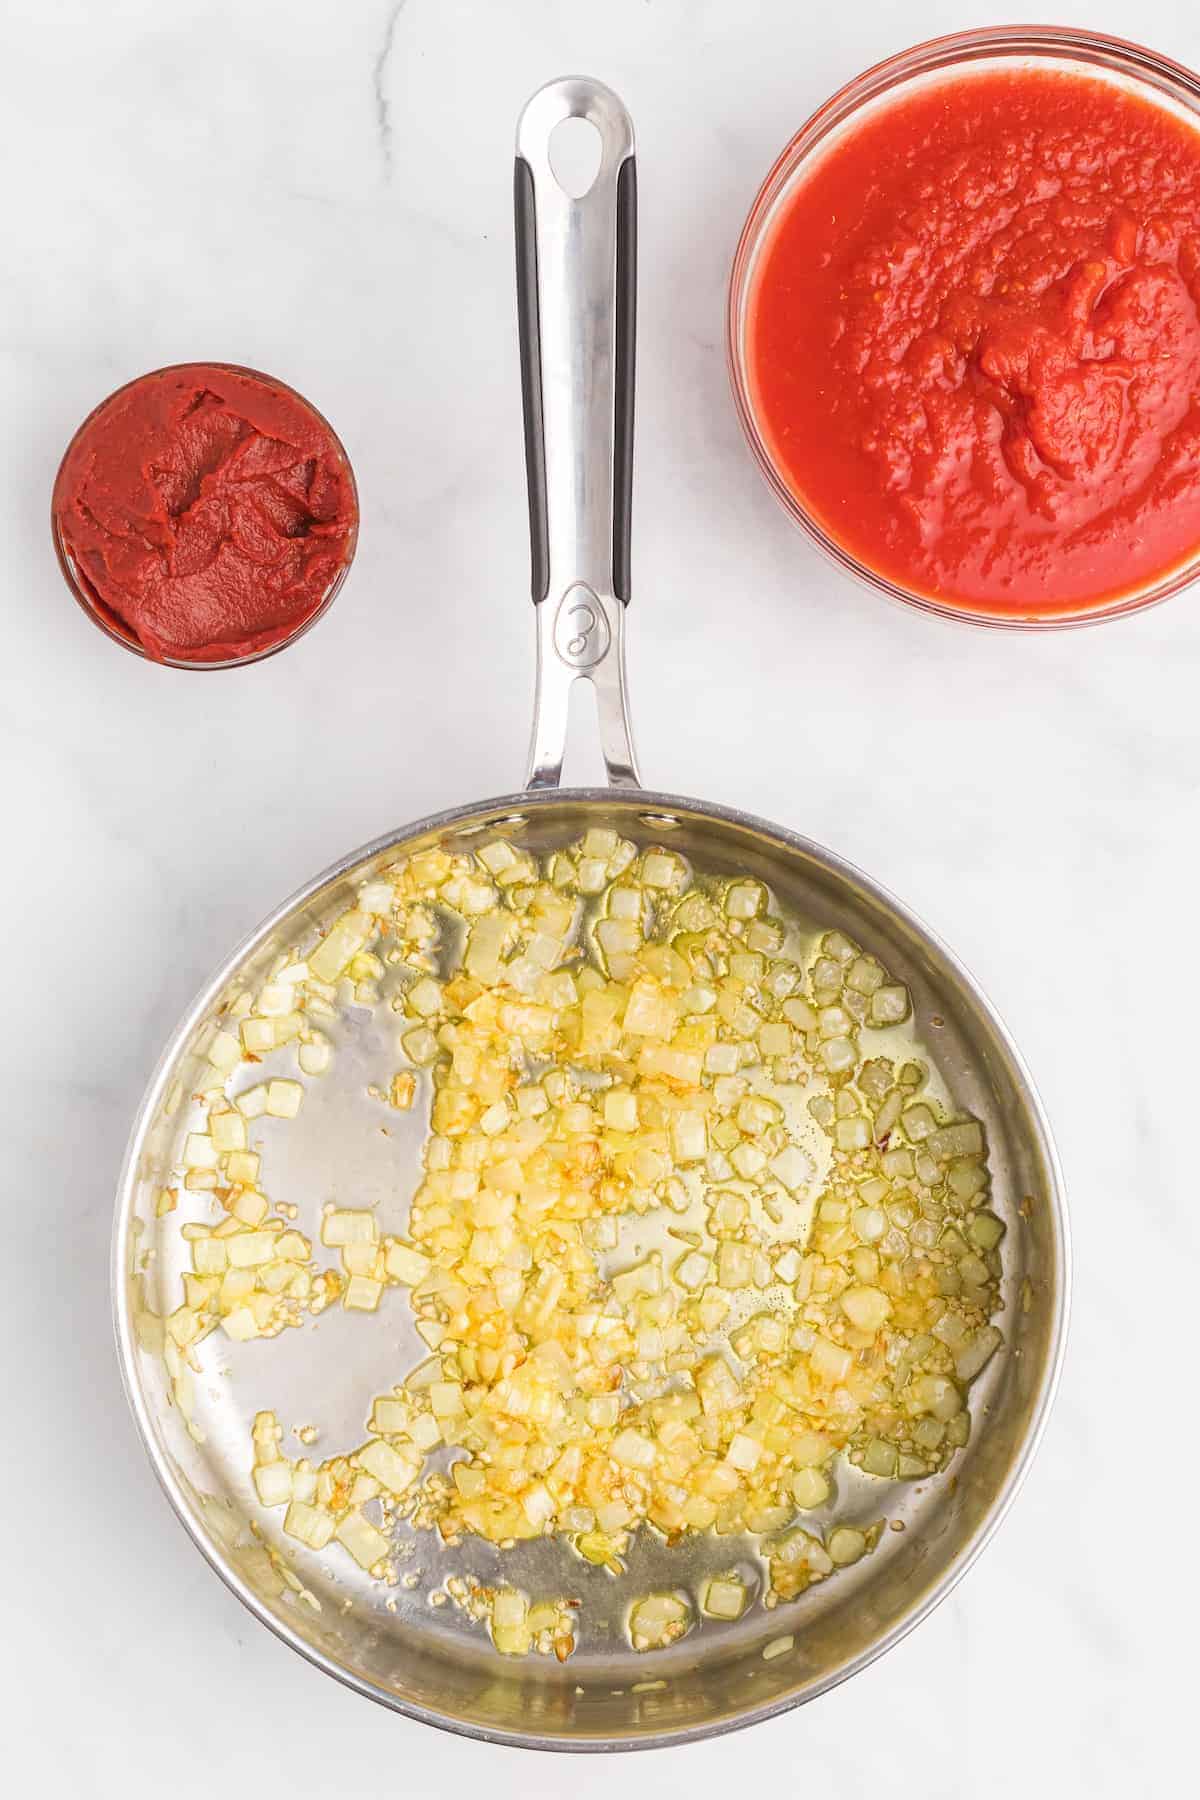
576, 303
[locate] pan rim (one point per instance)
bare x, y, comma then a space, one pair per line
524, 802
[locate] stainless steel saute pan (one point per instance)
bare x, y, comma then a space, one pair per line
576, 281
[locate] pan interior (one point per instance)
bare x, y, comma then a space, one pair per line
429, 1659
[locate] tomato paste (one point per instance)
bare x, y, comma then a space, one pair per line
205, 512
974, 341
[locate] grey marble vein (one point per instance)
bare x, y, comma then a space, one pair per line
383, 110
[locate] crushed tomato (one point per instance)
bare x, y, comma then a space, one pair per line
974, 341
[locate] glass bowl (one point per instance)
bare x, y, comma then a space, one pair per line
106, 620
1155, 78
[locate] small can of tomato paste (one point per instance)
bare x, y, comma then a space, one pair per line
205, 515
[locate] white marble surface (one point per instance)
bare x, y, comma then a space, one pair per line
324, 191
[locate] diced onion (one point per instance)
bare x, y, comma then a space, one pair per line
284, 1098
310, 1524
846, 1545
658, 1620
362, 1294
616, 1045
315, 1055
725, 1597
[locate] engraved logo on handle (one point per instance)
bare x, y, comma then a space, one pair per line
581, 630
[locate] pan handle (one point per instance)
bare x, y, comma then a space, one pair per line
576, 301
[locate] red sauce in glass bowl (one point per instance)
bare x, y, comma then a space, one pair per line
204, 514
973, 341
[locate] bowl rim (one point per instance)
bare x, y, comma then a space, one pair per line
95, 608
1173, 81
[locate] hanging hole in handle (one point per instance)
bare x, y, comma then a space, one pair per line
575, 150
